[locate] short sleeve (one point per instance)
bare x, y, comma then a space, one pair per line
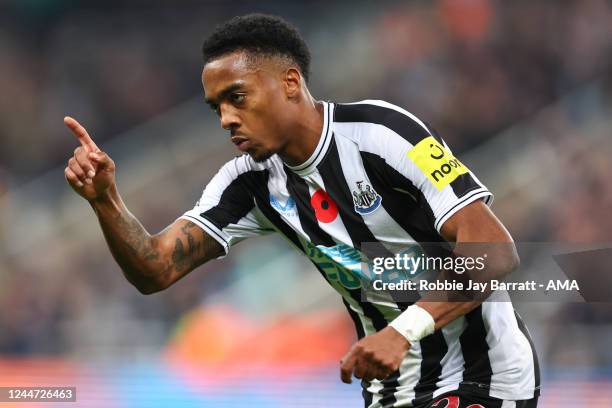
419, 154
447, 184
226, 210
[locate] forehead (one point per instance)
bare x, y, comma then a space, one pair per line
227, 69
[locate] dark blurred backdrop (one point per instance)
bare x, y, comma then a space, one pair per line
520, 90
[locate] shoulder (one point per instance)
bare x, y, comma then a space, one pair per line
378, 126
243, 165
380, 113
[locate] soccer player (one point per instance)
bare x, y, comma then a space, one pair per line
330, 178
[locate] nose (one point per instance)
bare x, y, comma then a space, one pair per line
229, 118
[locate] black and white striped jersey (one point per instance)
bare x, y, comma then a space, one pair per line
378, 175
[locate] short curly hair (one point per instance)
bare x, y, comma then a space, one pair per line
258, 34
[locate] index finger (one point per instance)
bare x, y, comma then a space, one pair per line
81, 134
347, 367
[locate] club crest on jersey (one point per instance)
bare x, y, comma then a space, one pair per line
288, 209
365, 198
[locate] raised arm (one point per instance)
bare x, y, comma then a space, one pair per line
150, 262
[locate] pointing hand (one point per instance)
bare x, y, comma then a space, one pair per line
90, 171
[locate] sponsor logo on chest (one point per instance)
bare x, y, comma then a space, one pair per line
288, 208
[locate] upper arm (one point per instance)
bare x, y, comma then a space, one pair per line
226, 210
224, 215
475, 223
184, 246
478, 232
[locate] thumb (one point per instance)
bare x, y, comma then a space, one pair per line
101, 159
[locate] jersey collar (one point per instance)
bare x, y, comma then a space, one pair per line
324, 141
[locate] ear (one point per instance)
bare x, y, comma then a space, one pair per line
293, 83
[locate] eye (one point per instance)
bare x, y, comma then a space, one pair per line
237, 98
215, 108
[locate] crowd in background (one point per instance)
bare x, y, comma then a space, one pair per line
470, 68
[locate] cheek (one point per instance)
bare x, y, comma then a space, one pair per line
277, 115
267, 116
267, 124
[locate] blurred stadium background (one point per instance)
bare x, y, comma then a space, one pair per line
521, 90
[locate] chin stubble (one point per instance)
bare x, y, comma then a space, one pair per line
261, 158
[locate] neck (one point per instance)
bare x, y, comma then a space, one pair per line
306, 133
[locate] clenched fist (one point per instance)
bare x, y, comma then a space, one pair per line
375, 356
90, 171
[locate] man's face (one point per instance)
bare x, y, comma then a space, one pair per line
251, 102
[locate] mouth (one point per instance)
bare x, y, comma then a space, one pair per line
241, 142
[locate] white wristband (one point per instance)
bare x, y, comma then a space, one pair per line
414, 323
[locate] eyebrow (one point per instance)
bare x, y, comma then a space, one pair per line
226, 91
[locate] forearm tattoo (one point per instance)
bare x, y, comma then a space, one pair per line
135, 238
138, 241
141, 254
